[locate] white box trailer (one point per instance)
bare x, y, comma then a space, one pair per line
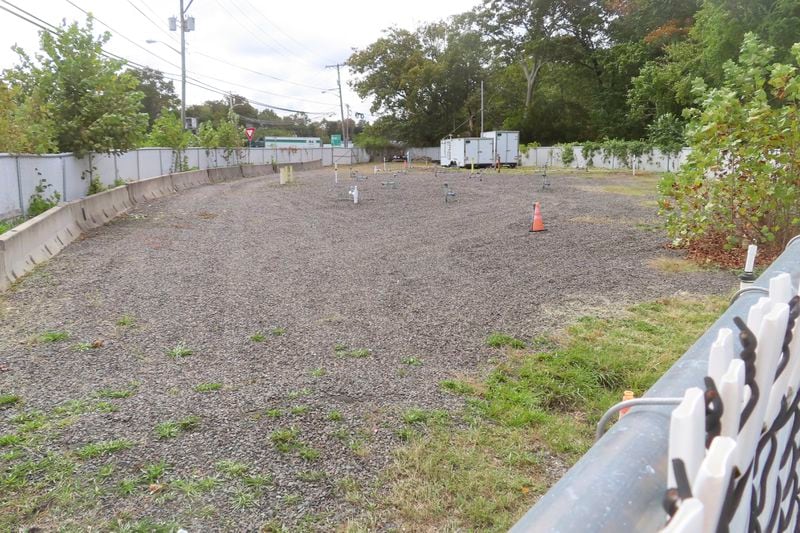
506, 145
467, 151
444, 152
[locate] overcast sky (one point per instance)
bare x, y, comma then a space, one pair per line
292, 41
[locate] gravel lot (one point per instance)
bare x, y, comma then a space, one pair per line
402, 274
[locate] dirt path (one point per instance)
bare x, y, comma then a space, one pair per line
402, 274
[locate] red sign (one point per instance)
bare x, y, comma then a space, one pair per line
249, 132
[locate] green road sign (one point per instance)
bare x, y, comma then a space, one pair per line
336, 140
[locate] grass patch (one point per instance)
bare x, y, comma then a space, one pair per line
674, 265
6, 225
126, 321
208, 387
7, 400
424, 416
52, 336
274, 413
499, 340
536, 408
342, 350
284, 439
258, 337
413, 361
335, 416
232, 468
318, 372
96, 449
299, 409
153, 472
457, 386
171, 429
180, 350
278, 332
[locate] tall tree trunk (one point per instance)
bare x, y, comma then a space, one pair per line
531, 67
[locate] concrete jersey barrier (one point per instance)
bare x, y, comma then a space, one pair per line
98, 209
37, 240
42, 237
188, 180
150, 189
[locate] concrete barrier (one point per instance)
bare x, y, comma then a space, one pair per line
222, 174
188, 180
150, 189
253, 171
36, 241
42, 237
98, 209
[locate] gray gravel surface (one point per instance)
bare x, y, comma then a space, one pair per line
402, 274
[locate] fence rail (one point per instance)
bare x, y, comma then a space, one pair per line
621, 482
70, 176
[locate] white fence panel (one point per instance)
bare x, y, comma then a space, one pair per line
9, 191
77, 176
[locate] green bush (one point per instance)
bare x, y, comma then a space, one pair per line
567, 153
740, 183
40, 202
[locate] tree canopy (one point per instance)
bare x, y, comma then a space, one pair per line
560, 70
77, 99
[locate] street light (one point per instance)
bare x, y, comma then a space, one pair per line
154, 41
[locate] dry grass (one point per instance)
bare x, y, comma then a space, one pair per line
674, 265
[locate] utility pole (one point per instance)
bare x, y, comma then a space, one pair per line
481, 108
347, 124
186, 24
341, 105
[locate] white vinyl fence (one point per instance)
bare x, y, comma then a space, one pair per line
733, 444
714, 445
655, 161
70, 176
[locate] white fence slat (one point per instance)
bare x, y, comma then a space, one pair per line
686, 436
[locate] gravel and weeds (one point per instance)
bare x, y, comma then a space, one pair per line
287, 432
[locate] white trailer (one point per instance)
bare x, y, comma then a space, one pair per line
506, 145
444, 152
465, 152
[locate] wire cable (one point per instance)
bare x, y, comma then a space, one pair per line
46, 26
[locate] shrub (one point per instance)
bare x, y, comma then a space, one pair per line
40, 202
740, 181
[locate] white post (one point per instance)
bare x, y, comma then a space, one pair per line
747, 277
355, 194
384, 164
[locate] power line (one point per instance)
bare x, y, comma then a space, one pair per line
256, 72
249, 31
176, 66
276, 27
154, 23
121, 34
46, 26
259, 28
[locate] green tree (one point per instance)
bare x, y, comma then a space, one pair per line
168, 132
741, 182
24, 128
159, 93
92, 105
426, 83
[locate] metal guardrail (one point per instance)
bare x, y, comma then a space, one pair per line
619, 484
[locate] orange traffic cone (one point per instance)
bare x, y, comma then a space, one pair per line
538, 223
